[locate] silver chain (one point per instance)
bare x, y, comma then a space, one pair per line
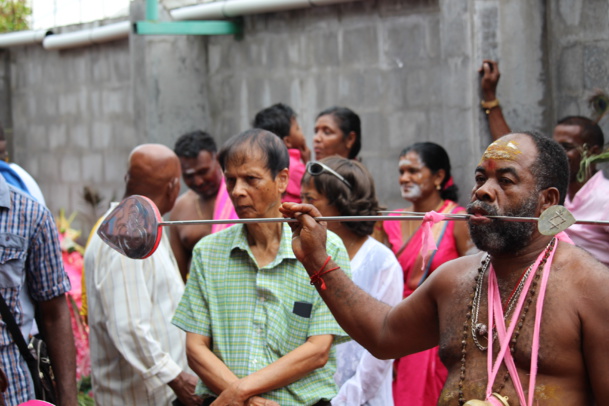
478, 294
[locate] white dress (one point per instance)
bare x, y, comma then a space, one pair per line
362, 378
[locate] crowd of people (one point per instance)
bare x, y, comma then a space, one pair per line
418, 312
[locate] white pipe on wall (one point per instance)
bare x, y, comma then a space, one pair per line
236, 8
90, 36
20, 38
207, 11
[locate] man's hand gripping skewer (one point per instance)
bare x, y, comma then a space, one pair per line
309, 236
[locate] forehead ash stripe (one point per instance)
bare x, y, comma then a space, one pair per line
502, 151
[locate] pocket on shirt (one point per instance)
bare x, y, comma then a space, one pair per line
12, 261
296, 332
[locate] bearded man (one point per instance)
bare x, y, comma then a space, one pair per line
544, 340
581, 138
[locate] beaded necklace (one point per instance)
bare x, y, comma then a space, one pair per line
468, 317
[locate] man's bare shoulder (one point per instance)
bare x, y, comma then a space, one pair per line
582, 275
184, 206
458, 268
579, 266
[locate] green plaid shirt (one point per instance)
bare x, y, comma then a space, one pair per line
249, 311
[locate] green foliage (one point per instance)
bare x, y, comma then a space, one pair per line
14, 15
84, 392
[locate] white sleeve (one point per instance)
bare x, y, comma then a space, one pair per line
371, 371
127, 302
362, 386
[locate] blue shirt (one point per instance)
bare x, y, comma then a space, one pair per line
12, 177
31, 269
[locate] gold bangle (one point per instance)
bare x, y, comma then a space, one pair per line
487, 106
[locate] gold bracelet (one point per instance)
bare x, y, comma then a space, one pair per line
487, 106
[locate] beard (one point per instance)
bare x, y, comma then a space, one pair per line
503, 237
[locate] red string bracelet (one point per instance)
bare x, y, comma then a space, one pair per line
316, 278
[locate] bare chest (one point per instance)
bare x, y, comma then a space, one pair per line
463, 347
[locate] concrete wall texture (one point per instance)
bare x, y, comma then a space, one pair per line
408, 67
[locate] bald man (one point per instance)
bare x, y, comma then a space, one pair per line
137, 356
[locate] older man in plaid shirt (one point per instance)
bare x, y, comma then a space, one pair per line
257, 331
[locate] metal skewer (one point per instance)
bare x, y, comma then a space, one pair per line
134, 227
449, 217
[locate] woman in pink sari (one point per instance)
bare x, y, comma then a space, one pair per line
426, 182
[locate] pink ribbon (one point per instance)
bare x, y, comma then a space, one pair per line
428, 244
495, 316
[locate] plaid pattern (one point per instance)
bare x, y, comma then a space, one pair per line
248, 311
30, 260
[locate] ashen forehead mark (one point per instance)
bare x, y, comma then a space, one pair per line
404, 162
502, 151
189, 171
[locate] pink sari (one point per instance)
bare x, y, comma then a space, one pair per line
420, 377
224, 209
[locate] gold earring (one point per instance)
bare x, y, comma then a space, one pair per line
438, 187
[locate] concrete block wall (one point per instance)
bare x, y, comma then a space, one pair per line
383, 59
580, 52
72, 116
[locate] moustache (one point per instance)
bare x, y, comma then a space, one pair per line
478, 206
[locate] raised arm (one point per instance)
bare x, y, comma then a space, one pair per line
383, 330
490, 78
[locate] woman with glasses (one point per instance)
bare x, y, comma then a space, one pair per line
426, 183
343, 187
337, 132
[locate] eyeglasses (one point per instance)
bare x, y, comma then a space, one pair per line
317, 168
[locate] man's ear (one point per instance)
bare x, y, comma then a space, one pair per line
173, 189
549, 197
282, 180
595, 150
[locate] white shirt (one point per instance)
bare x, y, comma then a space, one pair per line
135, 350
362, 378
